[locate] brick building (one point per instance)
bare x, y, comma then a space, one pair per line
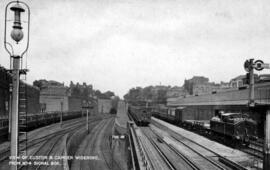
54, 97
32, 95
5, 79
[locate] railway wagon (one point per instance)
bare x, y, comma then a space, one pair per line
141, 116
182, 116
42, 119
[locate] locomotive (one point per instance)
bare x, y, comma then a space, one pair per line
234, 127
140, 115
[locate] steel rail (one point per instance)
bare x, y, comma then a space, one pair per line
237, 166
54, 136
36, 141
208, 159
163, 156
181, 155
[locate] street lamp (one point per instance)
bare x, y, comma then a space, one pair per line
18, 8
16, 33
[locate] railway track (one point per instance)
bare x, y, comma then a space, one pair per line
168, 154
30, 143
157, 160
154, 157
107, 152
97, 143
47, 147
90, 144
220, 163
39, 142
181, 160
255, 149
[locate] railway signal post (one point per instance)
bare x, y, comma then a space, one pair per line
259, 65
249, 67
86, 106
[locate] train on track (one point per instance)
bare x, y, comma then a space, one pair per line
140, 115
38, 120
234, 127
33, 121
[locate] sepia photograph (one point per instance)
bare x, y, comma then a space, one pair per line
135, 85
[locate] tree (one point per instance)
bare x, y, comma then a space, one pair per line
109, 94
40, 83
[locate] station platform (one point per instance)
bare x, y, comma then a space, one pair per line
234, 155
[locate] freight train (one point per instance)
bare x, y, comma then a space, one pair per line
140, 115
38, 120
235, 127
33, 121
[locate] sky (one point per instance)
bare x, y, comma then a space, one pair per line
119, 44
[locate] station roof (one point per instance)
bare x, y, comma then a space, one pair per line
233, 97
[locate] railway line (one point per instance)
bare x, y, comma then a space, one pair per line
156, 159
191, 158
209, 152
35, 141
49, 147
97, 145
178, 152
255, 148
46, 145
169, 154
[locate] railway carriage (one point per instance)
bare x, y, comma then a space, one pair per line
141, 116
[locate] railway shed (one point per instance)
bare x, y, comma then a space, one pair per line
234, 100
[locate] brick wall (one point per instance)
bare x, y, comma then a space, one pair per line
33, 93
74, 104
104, 105
53, 103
